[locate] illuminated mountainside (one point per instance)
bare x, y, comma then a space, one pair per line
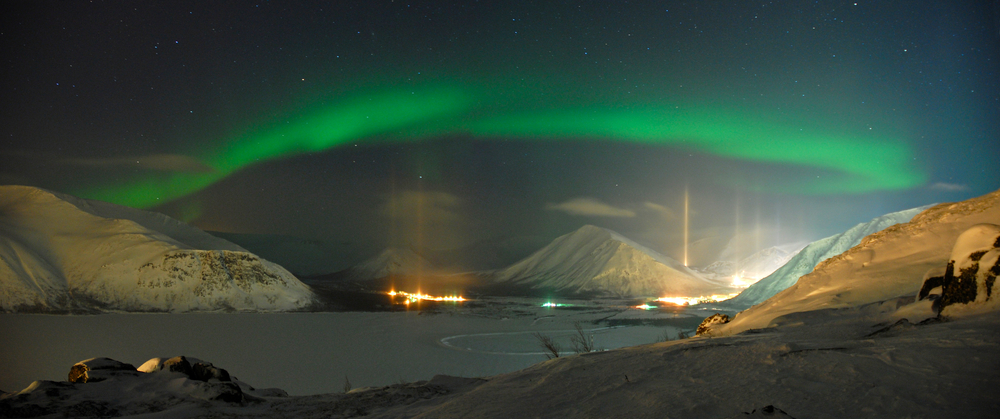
887, 264
593, 259
61, 253
755, 266
392, 261
803, 262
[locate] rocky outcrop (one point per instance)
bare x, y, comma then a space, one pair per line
99, 369
102, 387
195, 369
969, 278
706, 325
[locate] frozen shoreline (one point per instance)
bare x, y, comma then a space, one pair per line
303, 353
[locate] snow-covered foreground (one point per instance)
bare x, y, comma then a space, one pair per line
307, 353
856, 362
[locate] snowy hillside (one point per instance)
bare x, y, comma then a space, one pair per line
302, 257
890, 263
60, 253
391, 262
593, 259
806, 259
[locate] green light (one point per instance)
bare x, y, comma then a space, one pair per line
418, 112
397, 115
867, 165
855, 164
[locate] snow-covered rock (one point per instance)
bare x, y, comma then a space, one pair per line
884, 266
122, 390
968, 282
391, 262
806, 259
59, 253
98, 369
596, 260
706, 325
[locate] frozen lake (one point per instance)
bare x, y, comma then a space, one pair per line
310, 353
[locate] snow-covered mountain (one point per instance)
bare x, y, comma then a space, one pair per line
890, 263
753, 267
302, 257
594, 259
391, 262
61, 253
806, 259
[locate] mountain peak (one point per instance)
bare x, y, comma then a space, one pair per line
597, 260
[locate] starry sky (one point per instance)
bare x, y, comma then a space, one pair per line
493, 124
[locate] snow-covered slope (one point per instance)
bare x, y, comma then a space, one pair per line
805, 260
887, 264
392, 261
60, 253
593, 259
302, 257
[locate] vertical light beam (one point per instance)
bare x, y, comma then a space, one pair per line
685, 225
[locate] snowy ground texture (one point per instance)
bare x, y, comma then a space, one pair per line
835, 363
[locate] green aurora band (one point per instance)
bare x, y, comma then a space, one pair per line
860, 164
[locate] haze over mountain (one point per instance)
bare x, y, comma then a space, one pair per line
61, 253
596, 260
392, 261
753, 267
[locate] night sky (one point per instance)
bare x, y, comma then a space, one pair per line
443, 125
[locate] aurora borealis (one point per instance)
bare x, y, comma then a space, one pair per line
446, 124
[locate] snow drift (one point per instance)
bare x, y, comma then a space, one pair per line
60, 253
596, 260
806, 259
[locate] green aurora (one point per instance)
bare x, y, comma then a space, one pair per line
860, 164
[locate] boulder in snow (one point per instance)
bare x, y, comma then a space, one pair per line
99, 369
193, 368
706, 325
969, 279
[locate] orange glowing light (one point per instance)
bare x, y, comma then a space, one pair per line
690, 301
424, 297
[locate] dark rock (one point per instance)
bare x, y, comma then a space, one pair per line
768, 411
177, 364
931, 284
204, 371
